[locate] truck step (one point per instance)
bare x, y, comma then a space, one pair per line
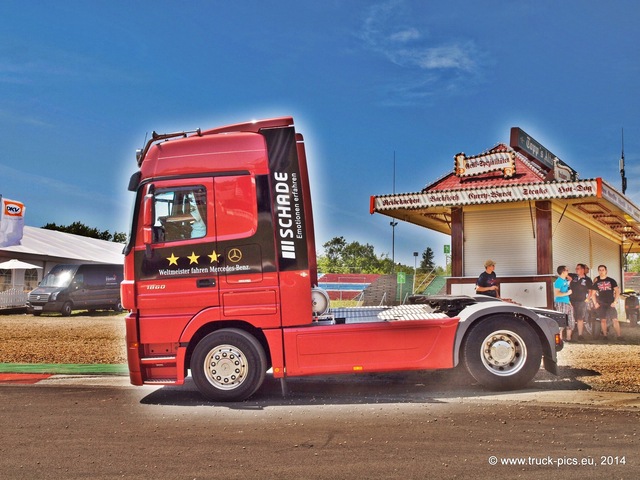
160, 381
159, 361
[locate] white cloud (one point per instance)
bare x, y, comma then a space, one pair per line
457, 57
428, 65
405, 35
46, 64
15, 117
36, 182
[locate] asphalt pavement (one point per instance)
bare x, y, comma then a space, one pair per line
398, 426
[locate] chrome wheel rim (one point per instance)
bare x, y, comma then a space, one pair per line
503, 353
226, 367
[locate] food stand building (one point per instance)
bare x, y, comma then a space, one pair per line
522, 207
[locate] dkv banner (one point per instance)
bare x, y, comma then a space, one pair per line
11, 222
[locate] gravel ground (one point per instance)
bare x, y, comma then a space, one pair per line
99, 339
80, 338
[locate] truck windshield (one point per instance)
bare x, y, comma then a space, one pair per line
59, 278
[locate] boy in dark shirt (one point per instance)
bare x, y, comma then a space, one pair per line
605, 292
580, 286
487, 283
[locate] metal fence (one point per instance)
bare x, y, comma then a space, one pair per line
13, 298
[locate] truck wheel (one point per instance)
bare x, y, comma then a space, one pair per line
228, 365
502, 353
66, 309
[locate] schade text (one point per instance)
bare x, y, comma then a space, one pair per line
288, 212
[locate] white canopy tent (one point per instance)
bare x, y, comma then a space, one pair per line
50, 245
14, 264
42, 249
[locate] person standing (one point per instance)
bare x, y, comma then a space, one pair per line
580, 286
487, 283
605, 292
561, 301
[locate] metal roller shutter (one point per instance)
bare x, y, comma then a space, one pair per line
505, 236
606, 252
574, 243
571, 243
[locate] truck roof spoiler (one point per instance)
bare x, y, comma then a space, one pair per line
253, 126
157, 137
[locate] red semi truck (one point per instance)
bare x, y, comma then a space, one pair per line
221, 281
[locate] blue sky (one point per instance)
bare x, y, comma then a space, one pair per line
82, 83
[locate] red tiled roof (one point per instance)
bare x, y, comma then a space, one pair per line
526, 172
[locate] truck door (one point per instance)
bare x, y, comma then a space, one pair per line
178, 263
247, 263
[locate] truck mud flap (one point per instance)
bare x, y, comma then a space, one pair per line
549, 365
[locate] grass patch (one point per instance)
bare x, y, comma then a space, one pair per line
64, 369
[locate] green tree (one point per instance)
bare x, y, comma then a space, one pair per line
79, 228
341, 256
119, 237
633, 262
427, 263
331, 261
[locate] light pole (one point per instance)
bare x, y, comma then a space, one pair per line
393, 244
393, 222
415, 270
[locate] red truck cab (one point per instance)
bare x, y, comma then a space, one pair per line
220, 271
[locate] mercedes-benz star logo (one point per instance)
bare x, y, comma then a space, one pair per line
234, 255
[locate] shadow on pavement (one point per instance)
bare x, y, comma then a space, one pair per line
374, 388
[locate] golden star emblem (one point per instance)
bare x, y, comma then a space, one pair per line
173, 260
193, 258
214, 257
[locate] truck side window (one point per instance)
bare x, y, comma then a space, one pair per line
180, 214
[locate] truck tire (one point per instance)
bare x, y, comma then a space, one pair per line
502, 353
66, 309
228, 365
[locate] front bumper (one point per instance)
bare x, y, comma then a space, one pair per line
44, 307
